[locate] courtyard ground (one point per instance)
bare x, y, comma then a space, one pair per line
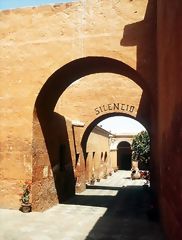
113, 209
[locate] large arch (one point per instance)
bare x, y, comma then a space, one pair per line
48, 142
63, 77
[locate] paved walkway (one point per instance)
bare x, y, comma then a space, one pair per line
113, 209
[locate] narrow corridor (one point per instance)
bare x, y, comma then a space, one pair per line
113, 209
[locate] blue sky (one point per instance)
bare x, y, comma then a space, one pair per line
10, 4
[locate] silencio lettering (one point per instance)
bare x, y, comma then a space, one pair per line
113, 107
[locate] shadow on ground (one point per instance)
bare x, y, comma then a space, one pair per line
129, 214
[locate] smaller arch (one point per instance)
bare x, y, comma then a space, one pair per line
91, 126
124, 155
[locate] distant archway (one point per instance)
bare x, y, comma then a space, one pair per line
124, 156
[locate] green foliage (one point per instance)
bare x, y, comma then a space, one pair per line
141, 147
25, 195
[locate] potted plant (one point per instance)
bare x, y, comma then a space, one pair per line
105, 175
25, 197
92, 181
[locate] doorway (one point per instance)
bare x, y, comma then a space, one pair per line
124, 156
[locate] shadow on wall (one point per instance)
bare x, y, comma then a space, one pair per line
143, 35
53, 177
171, 152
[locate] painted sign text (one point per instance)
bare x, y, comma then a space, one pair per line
114, 107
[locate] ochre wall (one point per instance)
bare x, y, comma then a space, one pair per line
98, 163
35, 42
95, 95
169, 39
53, 164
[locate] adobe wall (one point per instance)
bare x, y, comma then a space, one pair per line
169, 37
53, 179
35, 42
99, 94
98, 161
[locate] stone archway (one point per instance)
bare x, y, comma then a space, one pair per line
124, 156
47, 140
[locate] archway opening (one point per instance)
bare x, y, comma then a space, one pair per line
112, 134
124, 156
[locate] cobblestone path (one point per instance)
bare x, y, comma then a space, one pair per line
113, 209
